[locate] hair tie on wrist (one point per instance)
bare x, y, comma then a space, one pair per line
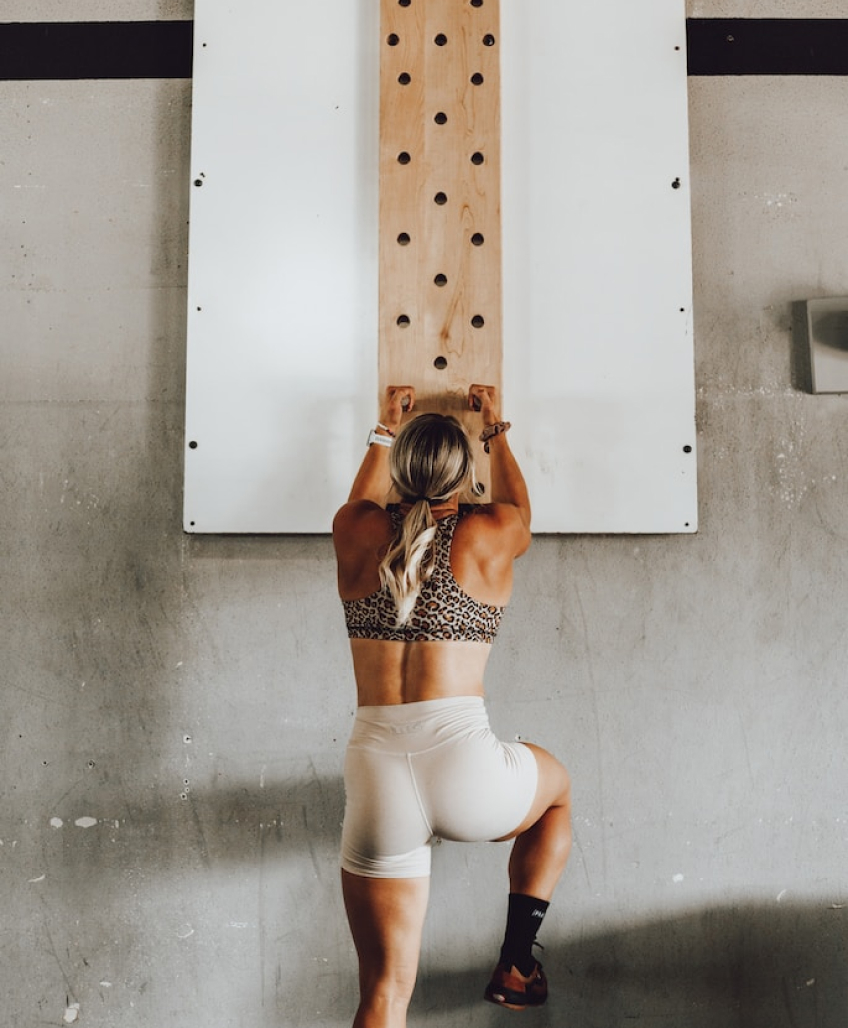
385, 428
490, 431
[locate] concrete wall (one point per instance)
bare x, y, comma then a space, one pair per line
96, 10
176, 709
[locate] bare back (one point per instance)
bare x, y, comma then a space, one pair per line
481, 558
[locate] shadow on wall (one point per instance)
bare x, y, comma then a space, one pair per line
293, 817
744, 966
748, 965
800, 369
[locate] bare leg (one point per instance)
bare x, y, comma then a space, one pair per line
543, 842
538, 858
386, 917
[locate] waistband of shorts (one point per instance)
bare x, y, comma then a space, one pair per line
404, 713
423, 724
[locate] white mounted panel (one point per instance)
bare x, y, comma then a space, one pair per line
282, 348
598, 358
283, 291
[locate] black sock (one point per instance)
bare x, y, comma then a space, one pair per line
524, 916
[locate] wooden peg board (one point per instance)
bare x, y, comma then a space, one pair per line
440, 232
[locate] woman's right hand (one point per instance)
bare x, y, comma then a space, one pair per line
484, 398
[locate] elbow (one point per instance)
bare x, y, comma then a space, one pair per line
526, 534
524, 544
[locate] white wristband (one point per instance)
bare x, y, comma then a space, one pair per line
383, 440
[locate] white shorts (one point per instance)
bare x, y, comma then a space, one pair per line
419, 772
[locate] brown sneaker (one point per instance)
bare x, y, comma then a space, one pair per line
509, 988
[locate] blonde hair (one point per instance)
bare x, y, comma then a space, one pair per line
430, 460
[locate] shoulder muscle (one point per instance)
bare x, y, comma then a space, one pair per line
504, 525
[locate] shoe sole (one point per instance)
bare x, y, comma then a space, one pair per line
510, 1002
505, 1005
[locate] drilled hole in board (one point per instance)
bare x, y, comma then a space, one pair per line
440, 363
675, 184
687, 449
441, 118
441, 198
404, 78
441, 39
478, 239
393, 39
476, 3
477, 79
478, 321
441, 280
477, 158
404, 3
192, 445
404, 239
403, 321
404, 157
488, 39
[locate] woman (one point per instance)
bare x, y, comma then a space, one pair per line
423, 585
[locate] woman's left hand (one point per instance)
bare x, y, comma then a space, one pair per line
399, 400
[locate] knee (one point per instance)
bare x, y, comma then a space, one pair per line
559, 807
564, 799
389, 988
554, 780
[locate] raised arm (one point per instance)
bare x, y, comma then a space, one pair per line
508, 485
372, 481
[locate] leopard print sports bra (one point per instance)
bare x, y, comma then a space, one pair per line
443, 611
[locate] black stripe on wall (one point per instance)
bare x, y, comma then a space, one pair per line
767, 46
163, 49
95, 50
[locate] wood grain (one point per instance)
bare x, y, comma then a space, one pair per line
440, 187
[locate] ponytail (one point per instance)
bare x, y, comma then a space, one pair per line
430, 461
410, 559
